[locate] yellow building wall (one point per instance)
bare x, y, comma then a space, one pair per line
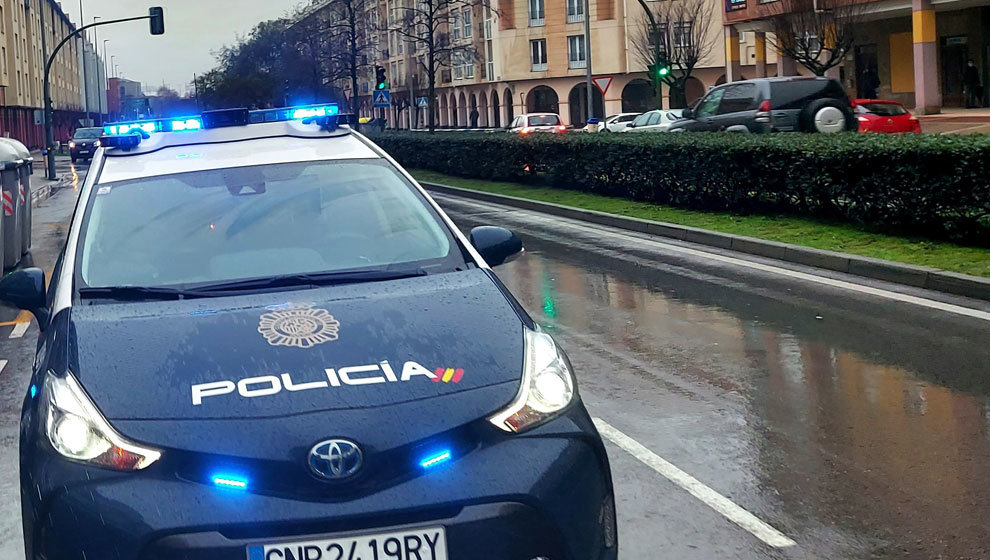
901, 63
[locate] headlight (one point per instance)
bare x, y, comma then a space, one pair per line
547, 386
72, 144
78, 431
97, 144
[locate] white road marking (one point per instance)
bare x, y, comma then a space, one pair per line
3, 364
19, 330
696, 488
896, 296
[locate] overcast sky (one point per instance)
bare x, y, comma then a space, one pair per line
194, 29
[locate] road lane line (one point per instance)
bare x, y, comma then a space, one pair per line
842, 284
19, 330
696, 488
3, 364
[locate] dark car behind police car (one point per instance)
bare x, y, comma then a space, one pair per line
266, 341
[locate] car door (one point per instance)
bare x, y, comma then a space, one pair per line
653, 123
737, 106
703, 118
638, 123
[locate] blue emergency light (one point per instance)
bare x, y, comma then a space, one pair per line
128, 135
231, 481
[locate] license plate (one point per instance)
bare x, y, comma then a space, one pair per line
428, 543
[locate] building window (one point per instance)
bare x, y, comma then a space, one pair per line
682, 35
733, 5
575, 11
575, 52
538, 55
536, 13
466, 20
455, 60
455, 26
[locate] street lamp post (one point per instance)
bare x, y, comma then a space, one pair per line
587, 58
85, 63
157, 18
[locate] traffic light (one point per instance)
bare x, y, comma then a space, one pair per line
663, 71
659, 70
380, 81
157, 20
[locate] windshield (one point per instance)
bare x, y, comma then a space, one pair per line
882, 109
252, 222
543, 120
88, 133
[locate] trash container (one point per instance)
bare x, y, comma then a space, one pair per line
24, 194
10, 163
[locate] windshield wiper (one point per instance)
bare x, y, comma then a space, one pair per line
310, 279
138, 293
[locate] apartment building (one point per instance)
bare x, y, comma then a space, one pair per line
22, 70
518, 56
919, 49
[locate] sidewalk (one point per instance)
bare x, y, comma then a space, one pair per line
956, 120
42, 187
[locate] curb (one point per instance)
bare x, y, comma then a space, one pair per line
44, 192
877, 269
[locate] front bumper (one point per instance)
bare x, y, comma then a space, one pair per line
544, 493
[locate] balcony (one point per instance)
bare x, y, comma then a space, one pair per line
575, 18
536, 22
572, 64
538, 67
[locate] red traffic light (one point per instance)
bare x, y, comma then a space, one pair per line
157, 14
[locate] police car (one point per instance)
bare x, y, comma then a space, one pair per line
264, 340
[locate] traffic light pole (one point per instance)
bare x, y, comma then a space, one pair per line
49, 125
587, 57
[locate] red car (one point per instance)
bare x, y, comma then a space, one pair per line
880, 115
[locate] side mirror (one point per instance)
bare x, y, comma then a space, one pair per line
687, 114
25, 289
496, 245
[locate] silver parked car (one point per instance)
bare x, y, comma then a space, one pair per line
617, 123
657, 120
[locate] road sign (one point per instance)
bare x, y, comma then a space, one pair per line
602, 83
383, 98
422, 102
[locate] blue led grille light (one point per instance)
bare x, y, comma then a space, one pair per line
436, 459
124, 128
230, 481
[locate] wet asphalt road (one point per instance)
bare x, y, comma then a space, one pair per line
858, 426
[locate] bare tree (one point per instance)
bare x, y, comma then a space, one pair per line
675, 36
427, 26
816, 33
352, 41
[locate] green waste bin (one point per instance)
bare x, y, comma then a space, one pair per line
24, 194
10, 164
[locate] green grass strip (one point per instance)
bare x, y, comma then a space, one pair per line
787, 229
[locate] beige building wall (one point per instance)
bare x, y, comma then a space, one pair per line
22, 61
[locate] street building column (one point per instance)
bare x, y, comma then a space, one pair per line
733, 68
760, 44
927, 96
786, 66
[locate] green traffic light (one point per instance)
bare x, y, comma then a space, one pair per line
664, 71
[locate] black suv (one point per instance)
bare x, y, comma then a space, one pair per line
812, 104
84, 143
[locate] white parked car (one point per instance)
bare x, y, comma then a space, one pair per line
657, 120
617, 123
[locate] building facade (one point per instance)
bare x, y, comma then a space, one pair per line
517, 56
22, 64
919, 49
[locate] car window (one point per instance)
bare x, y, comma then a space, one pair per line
262, 221
543, 120
626, 118
881, 109
708, 105
795, 94
674, 115
516, 123
654, 118
738, 97
641, 119
88, 133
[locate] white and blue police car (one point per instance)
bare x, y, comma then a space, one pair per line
263, 340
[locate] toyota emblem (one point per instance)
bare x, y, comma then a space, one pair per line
335, 459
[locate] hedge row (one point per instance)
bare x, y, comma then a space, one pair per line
934, 186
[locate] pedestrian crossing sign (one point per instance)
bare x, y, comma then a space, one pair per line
383, 98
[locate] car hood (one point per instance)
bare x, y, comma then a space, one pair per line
272, 355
